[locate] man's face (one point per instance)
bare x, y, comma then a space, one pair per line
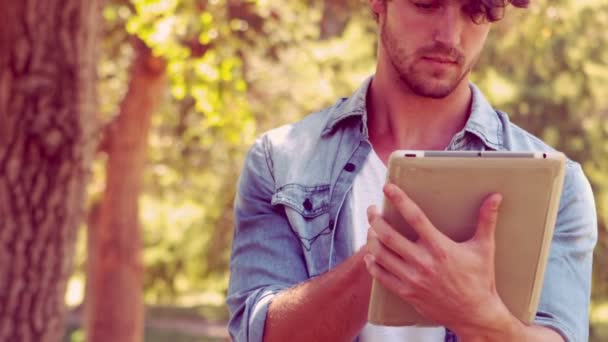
431, 44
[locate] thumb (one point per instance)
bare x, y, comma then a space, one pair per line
488, 216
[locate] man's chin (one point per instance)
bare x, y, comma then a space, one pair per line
430, 88
432, 84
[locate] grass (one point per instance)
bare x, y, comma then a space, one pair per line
76, 334
174, 324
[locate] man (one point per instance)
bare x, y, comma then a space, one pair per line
302, 258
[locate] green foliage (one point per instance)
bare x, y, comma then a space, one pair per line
198, 136
237, 68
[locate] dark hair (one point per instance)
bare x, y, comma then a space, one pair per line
491, 10
488, 10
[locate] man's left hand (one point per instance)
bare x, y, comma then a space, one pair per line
452, 283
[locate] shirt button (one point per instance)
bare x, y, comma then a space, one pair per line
350, 167
307, 204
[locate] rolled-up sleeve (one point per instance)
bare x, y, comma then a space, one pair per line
565, 297
266, 255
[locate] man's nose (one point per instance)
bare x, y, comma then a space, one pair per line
449, 28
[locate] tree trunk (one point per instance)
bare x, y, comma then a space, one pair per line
47, 140
336, 14
114, 301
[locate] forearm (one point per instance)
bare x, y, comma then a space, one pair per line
540, 333
511, 329
332, 307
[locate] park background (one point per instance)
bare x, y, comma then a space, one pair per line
170, 94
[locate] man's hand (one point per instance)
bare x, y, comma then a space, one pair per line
449, 282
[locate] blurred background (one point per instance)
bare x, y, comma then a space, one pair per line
185, 86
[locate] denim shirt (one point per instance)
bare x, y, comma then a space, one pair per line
291, 223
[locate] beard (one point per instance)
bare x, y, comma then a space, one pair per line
413, 71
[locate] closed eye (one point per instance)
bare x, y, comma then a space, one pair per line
428, 5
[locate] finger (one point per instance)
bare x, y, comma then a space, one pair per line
388, 280
394, 241
413, 215
391, 262
372, 213
488, 216
373, 243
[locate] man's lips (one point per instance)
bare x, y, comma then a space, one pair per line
441, 59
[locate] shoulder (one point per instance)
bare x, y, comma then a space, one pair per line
300, 138
517, 138
289, 151
311, 126
577, 192
288, 136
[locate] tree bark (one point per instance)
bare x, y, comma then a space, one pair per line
114, 301
336, 14
47, 140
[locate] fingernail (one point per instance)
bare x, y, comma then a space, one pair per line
390, 189
371, 212
497, 201
369, 259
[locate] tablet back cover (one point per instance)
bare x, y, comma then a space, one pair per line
450, 191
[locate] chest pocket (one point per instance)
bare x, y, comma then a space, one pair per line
307, 209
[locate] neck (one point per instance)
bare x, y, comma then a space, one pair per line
400, 119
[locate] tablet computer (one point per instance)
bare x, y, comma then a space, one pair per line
450, 186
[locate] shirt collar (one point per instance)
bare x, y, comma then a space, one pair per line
353, 106
483, 121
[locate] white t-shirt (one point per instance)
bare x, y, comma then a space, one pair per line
366, 191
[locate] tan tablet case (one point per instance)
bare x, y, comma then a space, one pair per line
450, 187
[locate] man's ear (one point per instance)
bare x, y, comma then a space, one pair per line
377, 6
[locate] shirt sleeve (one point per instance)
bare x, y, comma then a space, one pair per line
566, 292
266, 255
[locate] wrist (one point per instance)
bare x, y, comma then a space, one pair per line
500, 325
